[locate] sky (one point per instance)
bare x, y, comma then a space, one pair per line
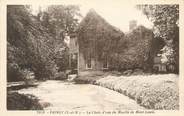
118, 14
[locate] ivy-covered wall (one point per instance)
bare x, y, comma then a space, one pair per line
101, 40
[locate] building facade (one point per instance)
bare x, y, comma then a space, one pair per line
96, 47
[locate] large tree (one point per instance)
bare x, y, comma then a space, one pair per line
60, 20
29, 47
166, 26
63, 17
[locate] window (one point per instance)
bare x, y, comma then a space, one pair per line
88, 62
73, 60
105, 63
76, 43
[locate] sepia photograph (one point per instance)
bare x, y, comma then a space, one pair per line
78, 57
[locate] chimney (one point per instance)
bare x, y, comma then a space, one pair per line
132, 25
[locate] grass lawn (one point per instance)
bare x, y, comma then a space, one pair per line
160, 92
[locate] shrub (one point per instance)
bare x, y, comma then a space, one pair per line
13, 72
61, 76
151, 91
16, 101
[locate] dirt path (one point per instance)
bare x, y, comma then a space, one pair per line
68, 96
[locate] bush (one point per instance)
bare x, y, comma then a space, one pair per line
14, 73
16, 101
61, 76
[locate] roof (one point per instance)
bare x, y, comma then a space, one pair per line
93, 21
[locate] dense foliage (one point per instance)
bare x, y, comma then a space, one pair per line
59, 21
97, 37
16, 101
138, 53
166, 26
36, 43
29, 46
60, 17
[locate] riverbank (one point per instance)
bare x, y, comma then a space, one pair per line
62, 95
159, 92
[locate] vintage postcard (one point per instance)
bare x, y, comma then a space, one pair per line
91, 57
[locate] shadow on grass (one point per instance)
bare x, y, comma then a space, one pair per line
16, 101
